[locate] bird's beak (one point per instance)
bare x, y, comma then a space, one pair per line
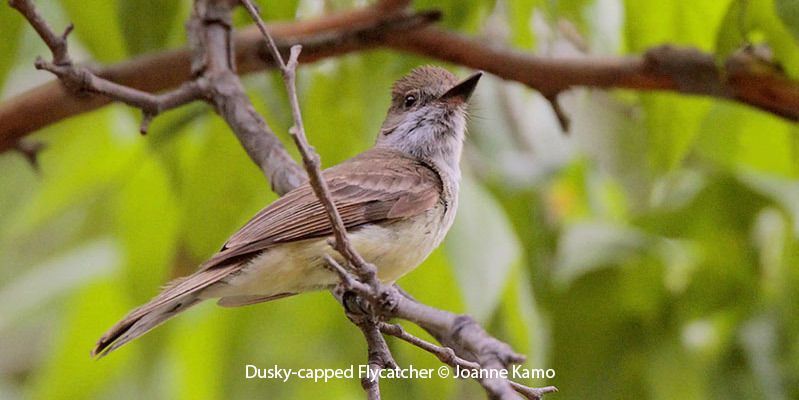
462, 90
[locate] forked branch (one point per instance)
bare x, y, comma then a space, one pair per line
214, 80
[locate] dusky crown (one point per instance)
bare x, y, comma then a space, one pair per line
430, 80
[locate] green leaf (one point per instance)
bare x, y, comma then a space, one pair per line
788, 11
358, 90
460, 14
732, 32
737, 136
341, 134
521, 321
146, 24
147, 218
83, 159
10, 31
586, 247
652, 23
671, 374
520, 14
483, 247
97, 27
41, 285
672, 123
777, 35
69, 372
756, 22
197, 349
225, 195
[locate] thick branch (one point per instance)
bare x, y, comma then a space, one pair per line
210, 38
662, 68
462, 334
379, 354
215, 80
322, 37
683, 70
80, 80
448, 356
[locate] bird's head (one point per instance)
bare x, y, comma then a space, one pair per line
427, 117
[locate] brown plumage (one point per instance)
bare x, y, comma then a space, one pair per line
377, 185
428, 78
397, 202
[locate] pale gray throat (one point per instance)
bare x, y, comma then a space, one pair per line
434, 134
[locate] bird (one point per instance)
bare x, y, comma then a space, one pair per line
397, 200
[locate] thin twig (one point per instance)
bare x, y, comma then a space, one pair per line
378, 353
448, 356
80, 79
563, 120
666, 68
346, 278
215, 80
56, 43
211, 39
366, 271
30, 150
323, 37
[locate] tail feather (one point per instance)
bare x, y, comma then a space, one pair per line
175, 298
247, 300
133, 326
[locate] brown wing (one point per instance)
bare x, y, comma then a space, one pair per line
377, 185
368, 188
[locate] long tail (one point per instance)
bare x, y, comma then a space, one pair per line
177, 296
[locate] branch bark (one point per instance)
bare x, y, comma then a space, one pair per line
214, 79
210, 39
449, 357
664, 68
378, 353
80, 80
321, 37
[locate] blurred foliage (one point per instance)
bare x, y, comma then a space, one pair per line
651, 253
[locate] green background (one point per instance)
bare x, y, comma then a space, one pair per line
650, 253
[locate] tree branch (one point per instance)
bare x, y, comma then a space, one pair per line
383, 301
379, 354
666, 68
462, 334
79, 80
328, 36
215, 80
210, 39
669, 68
56, 43
448, 356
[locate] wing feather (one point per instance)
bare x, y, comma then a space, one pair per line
375, 186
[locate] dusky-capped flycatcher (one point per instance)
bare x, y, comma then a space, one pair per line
397, 200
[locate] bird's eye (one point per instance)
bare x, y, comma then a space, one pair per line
410, 100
